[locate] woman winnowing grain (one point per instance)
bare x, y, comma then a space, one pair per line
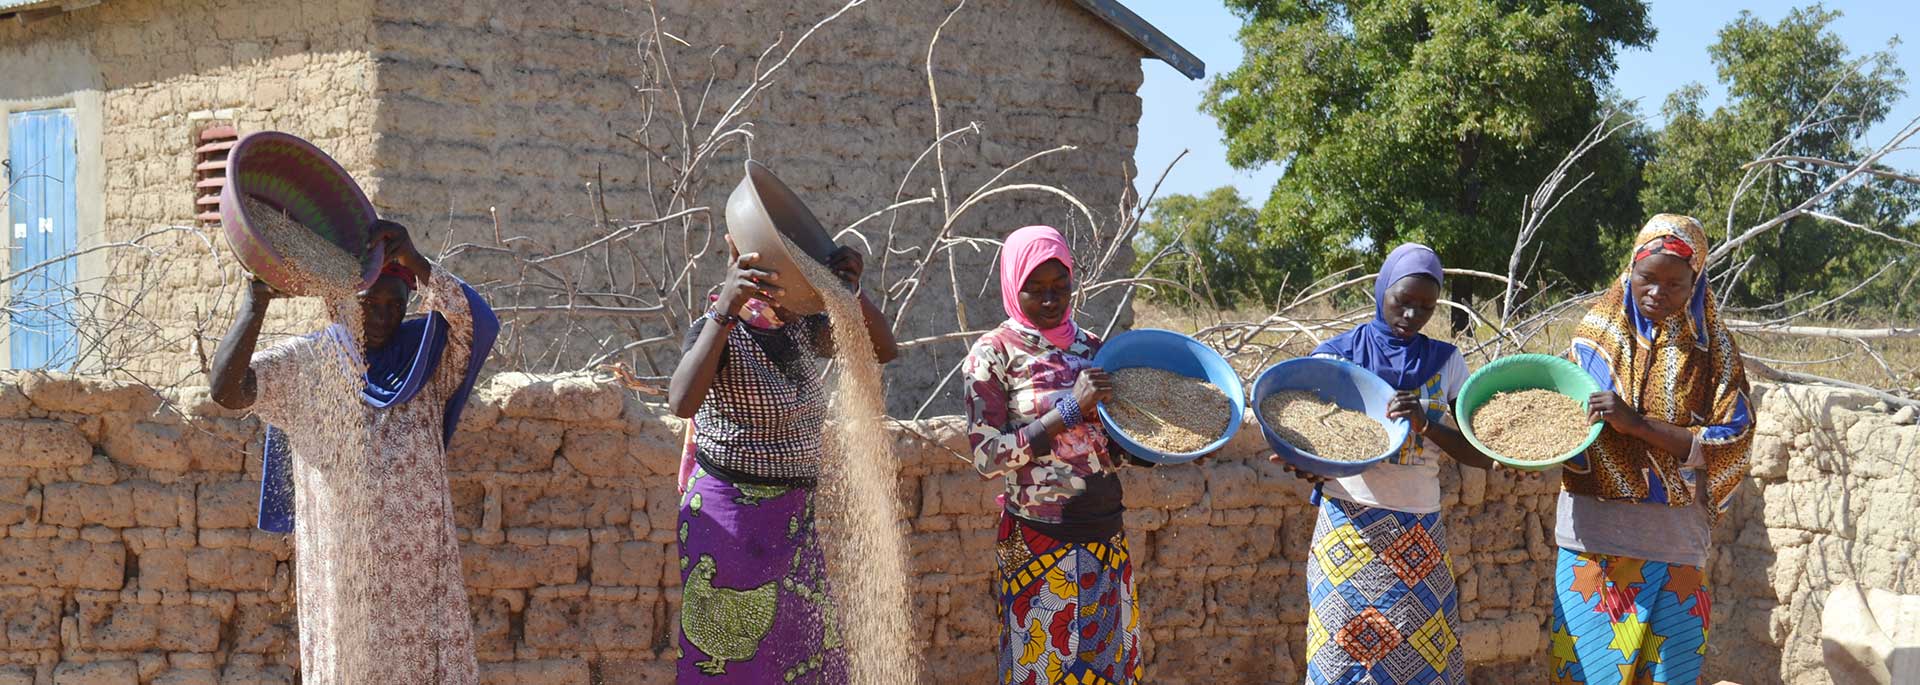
1065, 586
1380, 583
756, 603
387, 411
1635, 514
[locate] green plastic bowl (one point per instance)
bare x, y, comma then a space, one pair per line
1525, 372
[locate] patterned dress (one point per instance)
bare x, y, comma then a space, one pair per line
412, 625
1622, 620
756, 603
1380, 582
1067, 607
1619, 619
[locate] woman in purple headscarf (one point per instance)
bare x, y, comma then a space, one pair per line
1380, 583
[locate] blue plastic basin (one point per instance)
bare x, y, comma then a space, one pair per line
1169, 351
1342, 383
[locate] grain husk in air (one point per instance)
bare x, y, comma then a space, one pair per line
862, 521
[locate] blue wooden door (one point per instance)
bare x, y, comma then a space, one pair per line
41, 203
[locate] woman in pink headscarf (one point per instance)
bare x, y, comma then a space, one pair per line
1066, 584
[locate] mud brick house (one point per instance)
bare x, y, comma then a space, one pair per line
455, 115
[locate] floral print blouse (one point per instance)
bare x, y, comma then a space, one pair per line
1013, 378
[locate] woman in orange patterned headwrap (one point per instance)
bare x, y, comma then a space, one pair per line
1636, 510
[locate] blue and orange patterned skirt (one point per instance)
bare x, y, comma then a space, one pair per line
1067, 611
1383, 599
1618, 620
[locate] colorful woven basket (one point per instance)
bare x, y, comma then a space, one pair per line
290, 174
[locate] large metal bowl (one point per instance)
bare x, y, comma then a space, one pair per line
761, 211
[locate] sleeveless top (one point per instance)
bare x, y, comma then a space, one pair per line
765, 411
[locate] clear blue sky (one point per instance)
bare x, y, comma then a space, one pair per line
1171, 121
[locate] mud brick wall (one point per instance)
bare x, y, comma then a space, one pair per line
127, 553
1832, 499
514, 107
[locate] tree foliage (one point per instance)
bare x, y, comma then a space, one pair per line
1222, 251
1430, 120
1796, 74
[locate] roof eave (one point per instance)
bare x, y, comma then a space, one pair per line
1147, 36
34, 10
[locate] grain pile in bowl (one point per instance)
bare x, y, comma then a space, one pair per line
1326, 429
316, 265
1531, 425
1168, 412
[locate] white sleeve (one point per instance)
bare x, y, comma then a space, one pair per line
276, 379
1453, 377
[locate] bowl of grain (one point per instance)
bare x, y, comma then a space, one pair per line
295, 218
1174, 399
1327, 417
1528, 411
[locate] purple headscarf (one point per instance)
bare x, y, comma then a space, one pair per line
1404, 363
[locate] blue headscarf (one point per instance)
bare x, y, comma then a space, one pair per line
1404, 363
395, 374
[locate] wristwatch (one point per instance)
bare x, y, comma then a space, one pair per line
727, 319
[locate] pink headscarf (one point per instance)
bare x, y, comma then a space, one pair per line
1026, 249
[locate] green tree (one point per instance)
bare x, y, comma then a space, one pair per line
1431, 120
1779, 77
1222, 255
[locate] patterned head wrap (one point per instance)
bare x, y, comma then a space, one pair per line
1685, 371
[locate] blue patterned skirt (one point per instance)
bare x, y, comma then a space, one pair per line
1619, 620
1383, 599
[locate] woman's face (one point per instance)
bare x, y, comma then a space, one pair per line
1662, 286
384, 305
1045, 295
1409, 305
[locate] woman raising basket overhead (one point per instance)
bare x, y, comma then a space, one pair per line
1637, 509
756, 602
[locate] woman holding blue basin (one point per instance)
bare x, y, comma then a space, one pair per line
1066, 586
1380, 583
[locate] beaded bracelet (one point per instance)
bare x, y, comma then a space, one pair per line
1069, 410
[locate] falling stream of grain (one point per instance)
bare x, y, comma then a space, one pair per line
349, 642
865, 542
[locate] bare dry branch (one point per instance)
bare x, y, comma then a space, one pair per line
1824, 331
1816, 161
1761, 369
